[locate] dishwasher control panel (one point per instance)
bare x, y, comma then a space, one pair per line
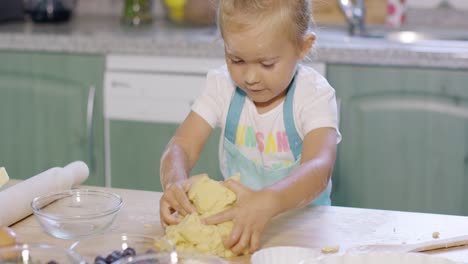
154, 97
153, 89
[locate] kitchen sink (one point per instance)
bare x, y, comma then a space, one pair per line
413, 36
441, 38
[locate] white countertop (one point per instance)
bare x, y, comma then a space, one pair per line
314, 227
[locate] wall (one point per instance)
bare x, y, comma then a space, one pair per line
443, 13
437, 13
110, 7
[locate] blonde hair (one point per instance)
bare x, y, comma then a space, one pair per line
293, 17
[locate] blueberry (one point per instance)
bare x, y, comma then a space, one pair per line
99, 259
147, 262
116, 254
110, 259
129, 252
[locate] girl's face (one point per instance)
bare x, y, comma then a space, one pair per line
262, 64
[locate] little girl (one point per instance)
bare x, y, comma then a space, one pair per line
279, 122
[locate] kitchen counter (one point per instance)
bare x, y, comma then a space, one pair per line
105, 35
314, 227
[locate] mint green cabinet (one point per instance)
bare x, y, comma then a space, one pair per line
136, 148
51, 112
405, 138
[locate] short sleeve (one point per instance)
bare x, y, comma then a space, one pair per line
215, 97
315, 103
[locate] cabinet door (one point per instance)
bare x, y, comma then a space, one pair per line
405, 139
45, 113
136, 148
145, 109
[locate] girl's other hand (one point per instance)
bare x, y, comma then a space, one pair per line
250, 215
175, 199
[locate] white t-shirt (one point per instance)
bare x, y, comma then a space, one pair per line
262, 137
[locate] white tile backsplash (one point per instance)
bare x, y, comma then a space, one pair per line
441, 13
455, 4
437, 18
437, 13
423, 3
459, 4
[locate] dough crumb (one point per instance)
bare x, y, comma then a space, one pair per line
147, 226
330, 249
435, 235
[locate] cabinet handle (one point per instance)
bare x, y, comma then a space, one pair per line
89, 127
117, 84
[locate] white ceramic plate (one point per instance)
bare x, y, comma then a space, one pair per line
282, 255
380, 258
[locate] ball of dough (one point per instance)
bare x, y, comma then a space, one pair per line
209, 197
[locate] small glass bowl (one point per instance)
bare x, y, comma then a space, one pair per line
76, 213
106, 244
38, 253
173, 258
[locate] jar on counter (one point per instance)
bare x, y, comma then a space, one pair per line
137, 12
191, 12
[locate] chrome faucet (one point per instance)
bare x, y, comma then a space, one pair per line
354, 11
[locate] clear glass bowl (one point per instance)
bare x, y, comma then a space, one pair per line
172, 258
76, 213
107, 244
38, 254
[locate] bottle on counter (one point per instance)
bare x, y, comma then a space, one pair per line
191, 12
137, 12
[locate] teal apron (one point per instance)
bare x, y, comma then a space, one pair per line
255, 175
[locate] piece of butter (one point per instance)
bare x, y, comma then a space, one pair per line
330, 249
3, 176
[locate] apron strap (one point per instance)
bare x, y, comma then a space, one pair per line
235, 110
295, 141
233, 116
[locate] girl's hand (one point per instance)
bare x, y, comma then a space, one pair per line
250, 215
175, 199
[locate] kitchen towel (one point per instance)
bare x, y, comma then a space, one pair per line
15, 201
